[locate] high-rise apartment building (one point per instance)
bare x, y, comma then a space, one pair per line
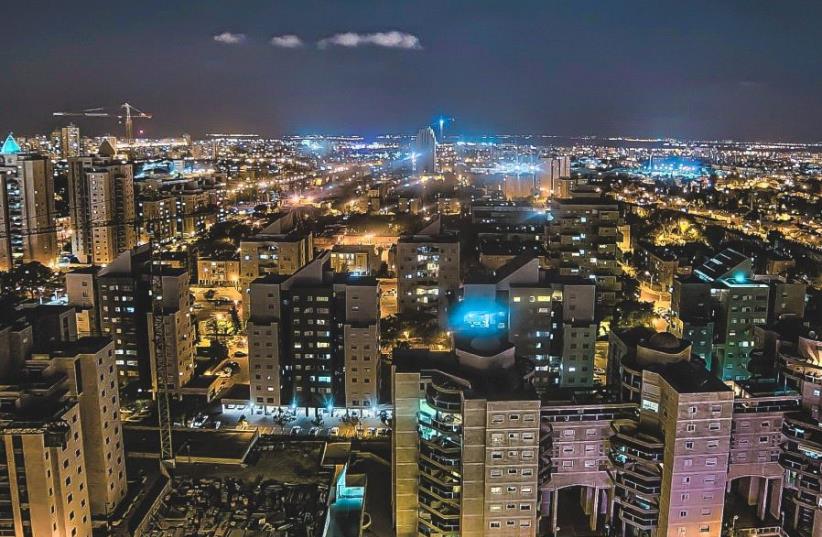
121, 310
60, 434
692, 315
89, 366
582, 240
101, 205
549, 319
6, 251
739, 303
465, 442
157, 216
70, 142
428, 269
671, 465
43, 475
314, 339
178, 331
28, 227
425, 151
281, 248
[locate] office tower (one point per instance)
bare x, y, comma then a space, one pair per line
101, 205
424, 158
157, 216
671, 464
550, 179
88, 365
28, 206
70, 143
281, 248
465, 442
178, 331
121, 311
582, 240
314, 339
428, 269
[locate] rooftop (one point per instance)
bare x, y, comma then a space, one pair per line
495, 384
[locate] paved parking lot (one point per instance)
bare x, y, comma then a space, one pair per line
341, 427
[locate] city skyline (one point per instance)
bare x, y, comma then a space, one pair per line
740, 70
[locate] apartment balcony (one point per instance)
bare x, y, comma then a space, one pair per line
792, 459
447, 460
429, 530
804, 500
439, 493
440, 476
640, 515
629, 443
444, 397
445, 510
635, 482
447, 424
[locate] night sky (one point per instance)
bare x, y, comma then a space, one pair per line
744, 69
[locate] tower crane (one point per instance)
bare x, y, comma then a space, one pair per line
127, 116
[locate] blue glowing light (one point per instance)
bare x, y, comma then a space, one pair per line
739, 277
10, 146
348, 492
515, 168
674, 166
479, 316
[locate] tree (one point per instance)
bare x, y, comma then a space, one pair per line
630, 313
390, 329
30, 280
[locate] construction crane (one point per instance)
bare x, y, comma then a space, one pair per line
127, 116
161, 357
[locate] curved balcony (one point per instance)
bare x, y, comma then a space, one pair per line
638, 521
447, 461
443, 423
440, 476
444, 397
630, 444
446, 511
439, 493
649, 486
429, 529
805, 501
